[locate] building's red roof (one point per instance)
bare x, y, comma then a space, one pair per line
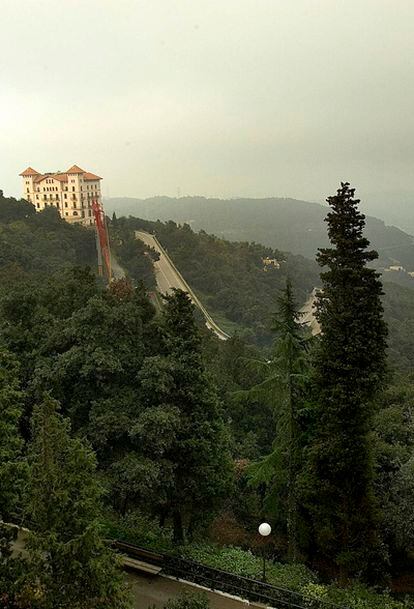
61, 177
29, 172
75, 169
90, 176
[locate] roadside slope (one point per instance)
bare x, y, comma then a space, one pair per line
169, 277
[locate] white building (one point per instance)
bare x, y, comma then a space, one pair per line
72, 192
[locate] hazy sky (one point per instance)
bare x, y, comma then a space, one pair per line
212, 97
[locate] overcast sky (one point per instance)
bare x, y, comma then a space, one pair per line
211, 97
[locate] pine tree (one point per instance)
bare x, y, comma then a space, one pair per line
69, 563
349, 372
286, 376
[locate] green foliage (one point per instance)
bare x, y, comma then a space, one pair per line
284, 383
181, 430
244, 563
349, 371
394, 459
35, 244
356, 596
287, 224
12, 468
230, 278
141, 529
68, 560
398, 304
136, 258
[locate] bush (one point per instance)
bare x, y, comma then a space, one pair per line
358, 596
141, 530
244, 563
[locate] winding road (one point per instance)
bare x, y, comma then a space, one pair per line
169, 277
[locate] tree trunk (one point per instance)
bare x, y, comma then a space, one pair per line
178, 536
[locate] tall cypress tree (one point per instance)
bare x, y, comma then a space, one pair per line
350, 367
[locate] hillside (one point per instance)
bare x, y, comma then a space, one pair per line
230, 279
228, 276
286, 224
38, 244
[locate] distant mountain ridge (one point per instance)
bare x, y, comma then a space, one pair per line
288, 224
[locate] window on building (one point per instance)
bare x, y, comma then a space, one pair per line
75, 213
73, 189
37, 205
66, 203
66, 213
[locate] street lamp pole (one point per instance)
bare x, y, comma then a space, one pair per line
264, 529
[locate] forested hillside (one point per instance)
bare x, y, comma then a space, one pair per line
94, 375
231, 278
40, 243
286, 224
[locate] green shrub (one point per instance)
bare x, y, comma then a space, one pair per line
358, 596
139, 529
244, 563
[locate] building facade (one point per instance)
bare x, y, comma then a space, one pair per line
71, 192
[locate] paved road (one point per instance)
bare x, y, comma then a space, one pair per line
149, 590
168, 277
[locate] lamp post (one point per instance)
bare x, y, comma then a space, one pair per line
264, 529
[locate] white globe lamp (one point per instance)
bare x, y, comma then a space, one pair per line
265, 529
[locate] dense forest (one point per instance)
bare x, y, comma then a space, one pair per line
231, 278
288, 224
232, 282
118, 419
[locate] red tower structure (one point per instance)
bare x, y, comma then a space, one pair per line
102, 240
